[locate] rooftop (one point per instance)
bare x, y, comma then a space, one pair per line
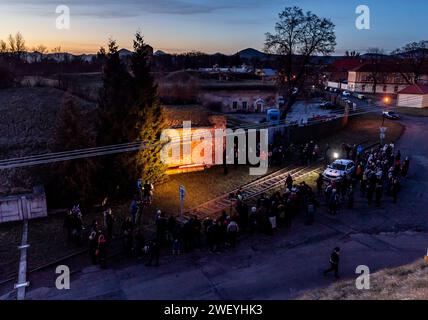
415, 89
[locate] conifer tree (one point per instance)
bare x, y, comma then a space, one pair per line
71, 182
148, 112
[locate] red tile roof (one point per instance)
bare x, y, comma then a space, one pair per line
415, 89
346, 64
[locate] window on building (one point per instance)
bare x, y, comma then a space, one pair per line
244, 105
234, 105
396, 89
385, 88
363, 88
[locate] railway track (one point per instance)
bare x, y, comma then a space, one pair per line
253, 189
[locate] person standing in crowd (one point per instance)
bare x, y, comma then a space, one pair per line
379, 193
154, 253
232, 233
310, 211
127, 232
370, 192
320, 183
350, 197
93, 239
289, 182
176, 241
394, 189
334, 202
68, 225
242, 210
139, 243
405, 167
334, 263
102, 250
364, 184
109, 223
133, 210
327, 154
161, 227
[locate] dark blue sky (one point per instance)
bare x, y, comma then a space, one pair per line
206, 25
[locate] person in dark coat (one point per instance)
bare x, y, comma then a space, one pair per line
289, 182
154, 253
394, 190
320, 183
379, 193
405, 168
334, 263
102, 250
109, 219
93, 242
139, 243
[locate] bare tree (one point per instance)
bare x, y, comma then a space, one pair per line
12, 44
3, 46
16, 45
376, 74
298, 36
352, 54
413, 56
19, 43
41, 49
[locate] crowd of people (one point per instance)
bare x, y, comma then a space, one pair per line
377, 174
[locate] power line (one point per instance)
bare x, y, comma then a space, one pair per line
139, 145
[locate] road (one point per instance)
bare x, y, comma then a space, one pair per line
282, 266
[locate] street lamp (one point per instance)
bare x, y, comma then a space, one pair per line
386, 100
336, 155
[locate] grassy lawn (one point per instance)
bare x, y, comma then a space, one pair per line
413, 112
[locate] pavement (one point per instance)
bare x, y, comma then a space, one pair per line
280, 266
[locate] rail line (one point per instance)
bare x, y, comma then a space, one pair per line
253, 189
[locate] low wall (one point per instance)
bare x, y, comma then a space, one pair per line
23, 206
303, 134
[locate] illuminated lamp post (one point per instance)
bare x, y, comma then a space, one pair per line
386, 102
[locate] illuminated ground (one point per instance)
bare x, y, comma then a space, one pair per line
283, 266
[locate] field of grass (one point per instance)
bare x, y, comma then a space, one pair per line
408, 282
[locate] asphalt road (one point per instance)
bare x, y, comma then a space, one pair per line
283, 266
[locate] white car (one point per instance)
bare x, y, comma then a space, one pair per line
346, 94
339, 169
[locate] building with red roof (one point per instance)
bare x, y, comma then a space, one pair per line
414, 96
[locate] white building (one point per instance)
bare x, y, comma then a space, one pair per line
415, 96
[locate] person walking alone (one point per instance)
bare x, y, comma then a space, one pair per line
334, 263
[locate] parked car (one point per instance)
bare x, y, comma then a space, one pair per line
390, 115
339, 169
361, 96
346, 94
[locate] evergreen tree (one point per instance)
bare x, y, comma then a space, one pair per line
130, 111
148, 114
71, 182
113, 106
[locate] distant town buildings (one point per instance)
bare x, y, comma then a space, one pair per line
385, 77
